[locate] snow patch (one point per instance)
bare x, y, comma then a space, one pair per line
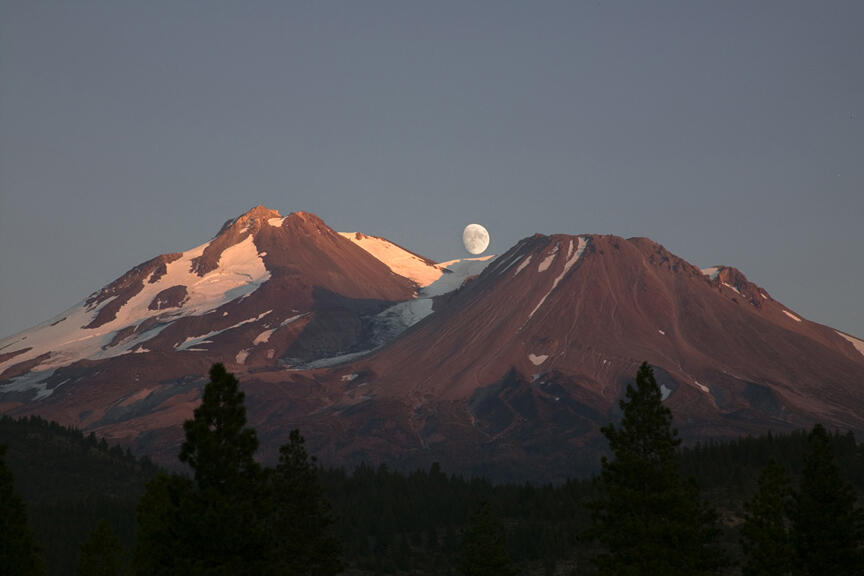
240, 272
292, 319
544, 265
276, 222
390, 323
399, 260
263, 337
30, 381
711, 272
664, 392
661, 332
858, 344
522, 266
502, 267
349, 377
197, 340
702, 387
204, 338
241, 356
731, 287
538, 359
406, 314
792, 316
460, 270
334, 360
583, 243
67, 342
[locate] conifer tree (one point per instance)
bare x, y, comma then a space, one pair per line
100, 554
648, 520
165, 539
235, 517
302, 516
765, 536
19, 552
827, 524
484, 547
217, 524
219, 447
230, 500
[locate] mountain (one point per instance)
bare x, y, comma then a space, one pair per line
505, 366
263, 276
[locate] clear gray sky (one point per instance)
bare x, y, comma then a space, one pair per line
730, 132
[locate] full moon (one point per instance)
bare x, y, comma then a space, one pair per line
476, 238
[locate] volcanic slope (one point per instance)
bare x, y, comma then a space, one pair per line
505, 366
267, 290
515, 372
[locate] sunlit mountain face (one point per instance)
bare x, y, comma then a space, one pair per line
504, 365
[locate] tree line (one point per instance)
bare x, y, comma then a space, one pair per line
715, 508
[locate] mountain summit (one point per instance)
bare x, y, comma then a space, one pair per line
505, 366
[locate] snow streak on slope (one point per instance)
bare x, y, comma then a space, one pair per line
191, 341
523, 264
792, 316
858, 344
460, 270
711, 272
399, 260
406, 314
571, 260
239, 273
544, 265
390, 323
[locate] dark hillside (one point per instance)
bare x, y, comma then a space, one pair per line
388, 522
69, 482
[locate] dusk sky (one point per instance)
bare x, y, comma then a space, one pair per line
730, 132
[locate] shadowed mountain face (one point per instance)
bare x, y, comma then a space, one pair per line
504, 366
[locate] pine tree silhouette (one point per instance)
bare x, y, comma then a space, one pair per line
19, 552
302, 516
827, 524
235, 517
101, 553
484, 546
765, 536
648, 520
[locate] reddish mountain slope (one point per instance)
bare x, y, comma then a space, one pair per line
509, 375
513, 373
598, 305
264, 290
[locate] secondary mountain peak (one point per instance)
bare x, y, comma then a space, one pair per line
256, 214
733, 279
305, 223
259, 212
